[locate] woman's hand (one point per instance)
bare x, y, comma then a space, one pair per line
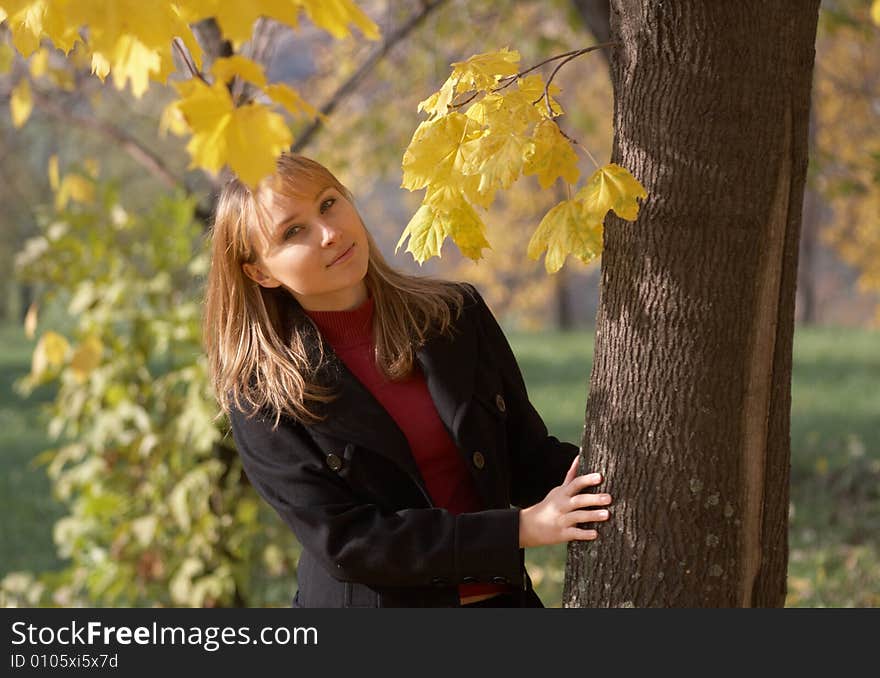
555, 519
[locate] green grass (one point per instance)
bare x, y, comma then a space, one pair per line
835, 432
834, 556
26, 503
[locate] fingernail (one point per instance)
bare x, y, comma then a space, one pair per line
603, 514
594, 476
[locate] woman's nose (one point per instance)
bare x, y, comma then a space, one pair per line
329, 234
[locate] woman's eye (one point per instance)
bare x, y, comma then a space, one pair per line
327, 204
292, 231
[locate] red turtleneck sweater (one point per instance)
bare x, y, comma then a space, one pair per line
409, 403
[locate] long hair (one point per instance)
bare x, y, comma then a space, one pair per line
258, 339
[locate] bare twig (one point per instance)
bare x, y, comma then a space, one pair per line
567, 56
140, 153
349, 85
187, 59
575, 141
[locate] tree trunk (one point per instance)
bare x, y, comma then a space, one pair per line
807, 274
596, 15
688, 411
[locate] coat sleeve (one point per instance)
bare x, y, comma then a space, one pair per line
539, 461
360, 542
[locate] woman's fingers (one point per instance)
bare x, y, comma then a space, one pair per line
590, 499
577, 534
572, 470
579, 483
577, 517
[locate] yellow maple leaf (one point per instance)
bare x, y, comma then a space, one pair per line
100, 65
433, 155
25, 18
207, 110
74, 187
7, 57
50, 352
467, 230
510, 112
86, 358
54, 177
532, 88
432, 223
226, 68
334, 16
551, 156
20, 103
486, 109
172, 120
132, 60
482, 71
292, 101
875, 12
438, 102
255, 138
612, 187
132, 37
496, 157
249, 139
39, 63
426, 232
566, 229
60, 22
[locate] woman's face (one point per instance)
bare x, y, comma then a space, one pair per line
317, 250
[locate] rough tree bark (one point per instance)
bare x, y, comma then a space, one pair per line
688, 410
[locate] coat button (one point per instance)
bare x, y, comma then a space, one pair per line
479, 460
499, 401
438, 581
469, 580
334, 461
500, 580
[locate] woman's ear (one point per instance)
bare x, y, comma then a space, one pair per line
257, 274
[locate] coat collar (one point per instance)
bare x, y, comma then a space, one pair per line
449, 366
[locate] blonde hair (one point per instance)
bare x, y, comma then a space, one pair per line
257, 339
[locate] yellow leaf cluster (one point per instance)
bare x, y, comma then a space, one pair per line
248, 138
132, 41
575, 226
432, 223
463, 159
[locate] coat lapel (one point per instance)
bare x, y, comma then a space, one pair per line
449, 366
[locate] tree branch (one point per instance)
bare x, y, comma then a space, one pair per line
140, 153
349, 85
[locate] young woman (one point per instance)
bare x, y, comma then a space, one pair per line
382, 415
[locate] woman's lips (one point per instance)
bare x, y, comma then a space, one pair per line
342, 257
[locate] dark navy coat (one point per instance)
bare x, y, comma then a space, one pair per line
351, 491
